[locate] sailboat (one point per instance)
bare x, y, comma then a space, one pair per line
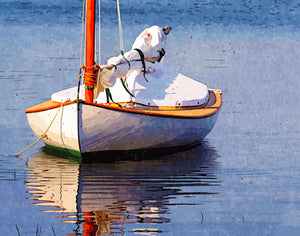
168, 109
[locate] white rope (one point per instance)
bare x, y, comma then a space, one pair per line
82, 32
99, 30
82, 38
120, 28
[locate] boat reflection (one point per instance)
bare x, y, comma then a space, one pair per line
100, 198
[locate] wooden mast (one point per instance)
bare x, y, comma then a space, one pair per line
90, 48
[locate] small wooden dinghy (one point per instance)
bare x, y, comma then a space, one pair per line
169, 109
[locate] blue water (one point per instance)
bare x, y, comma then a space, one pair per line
243, 179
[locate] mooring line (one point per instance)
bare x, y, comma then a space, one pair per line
43, 135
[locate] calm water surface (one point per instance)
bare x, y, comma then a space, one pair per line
243, 179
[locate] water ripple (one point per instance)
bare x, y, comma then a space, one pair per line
256, 12
105, 195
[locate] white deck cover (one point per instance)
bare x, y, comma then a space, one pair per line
69, 94
165, 88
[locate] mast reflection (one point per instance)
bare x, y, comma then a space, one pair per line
101, 197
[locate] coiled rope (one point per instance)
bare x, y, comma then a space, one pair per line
44, 134
90, 79
90, 76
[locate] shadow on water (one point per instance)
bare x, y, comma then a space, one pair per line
101, 198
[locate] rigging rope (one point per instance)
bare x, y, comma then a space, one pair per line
120, 28
80, 82
82, 31
44, 134
99, 30
121, 39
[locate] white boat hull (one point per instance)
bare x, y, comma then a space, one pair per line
63, 132
104, 129
86, 128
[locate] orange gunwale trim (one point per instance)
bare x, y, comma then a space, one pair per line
176, 112
46, 106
